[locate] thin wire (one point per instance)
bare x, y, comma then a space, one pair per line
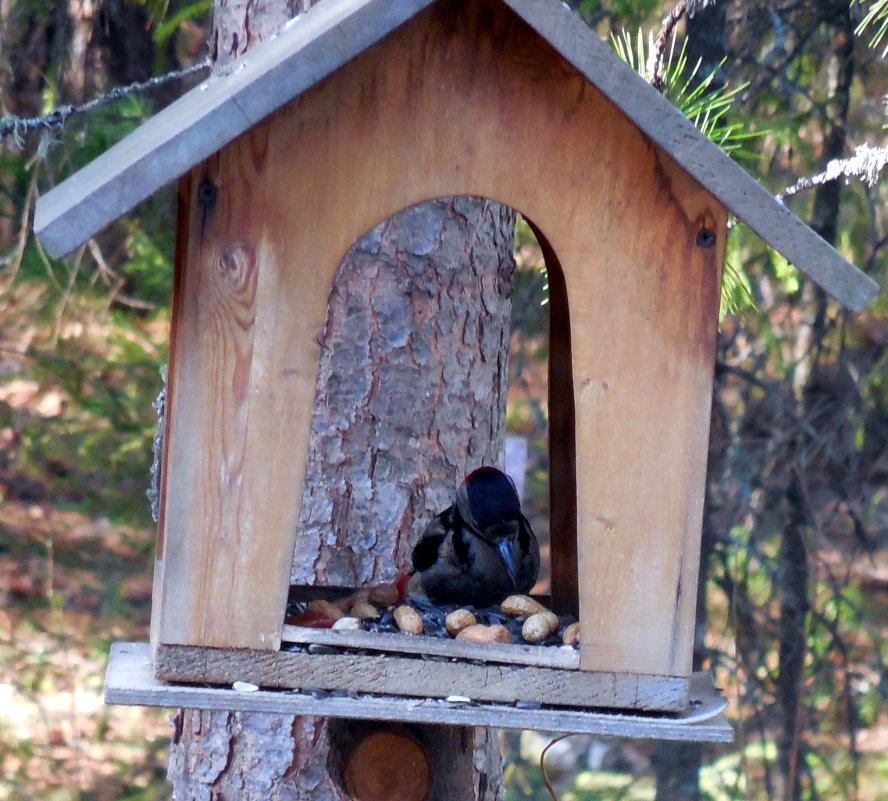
16, 127
546, 780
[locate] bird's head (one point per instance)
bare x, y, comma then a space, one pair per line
487, 497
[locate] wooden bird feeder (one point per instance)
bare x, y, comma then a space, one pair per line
409, 100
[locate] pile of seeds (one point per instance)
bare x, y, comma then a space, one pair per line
518, 619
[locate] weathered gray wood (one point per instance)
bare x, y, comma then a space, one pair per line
318, 42
395, 675
707, 162
130, 681
211, 115
564, 658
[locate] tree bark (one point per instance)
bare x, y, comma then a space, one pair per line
411, 386
411, 394
239, 24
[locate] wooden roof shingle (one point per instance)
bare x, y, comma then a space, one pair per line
312, 46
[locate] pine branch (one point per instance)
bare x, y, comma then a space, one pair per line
16, 127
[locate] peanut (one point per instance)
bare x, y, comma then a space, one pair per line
364, 609
539, 626
408, 620
571, 634
326, 608
481, 633
521, 606
458, 620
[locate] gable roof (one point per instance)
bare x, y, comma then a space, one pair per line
315, 44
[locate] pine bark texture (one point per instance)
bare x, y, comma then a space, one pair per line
239, 24
411, 386
411, 393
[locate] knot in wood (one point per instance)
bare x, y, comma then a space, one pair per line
236, 263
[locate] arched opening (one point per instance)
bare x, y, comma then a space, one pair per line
542, 408
383, 304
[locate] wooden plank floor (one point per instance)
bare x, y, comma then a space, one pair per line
413, 675
130, 681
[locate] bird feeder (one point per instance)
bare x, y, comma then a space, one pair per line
407, 100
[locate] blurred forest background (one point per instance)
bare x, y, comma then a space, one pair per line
794, 609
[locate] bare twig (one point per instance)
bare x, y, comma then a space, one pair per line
655, 69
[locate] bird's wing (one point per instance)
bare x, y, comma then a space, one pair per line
425, 554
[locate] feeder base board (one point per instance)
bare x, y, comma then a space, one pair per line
504, 653
130, 681
400, 674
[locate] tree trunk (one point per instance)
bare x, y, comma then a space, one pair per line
411, 386
411, 394
795, 592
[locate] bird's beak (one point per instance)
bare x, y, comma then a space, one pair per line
505, 551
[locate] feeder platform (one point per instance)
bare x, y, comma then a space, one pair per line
130, 681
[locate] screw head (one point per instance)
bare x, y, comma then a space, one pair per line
207, 193
705, 238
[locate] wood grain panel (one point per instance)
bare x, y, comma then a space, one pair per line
315, 44
462, 99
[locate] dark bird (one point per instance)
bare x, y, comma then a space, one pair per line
481, 549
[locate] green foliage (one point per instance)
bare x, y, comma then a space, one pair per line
701, 98
622, 13
94, 326
164, 30
875, 18
736, 291
707, 104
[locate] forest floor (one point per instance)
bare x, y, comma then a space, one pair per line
71, 584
